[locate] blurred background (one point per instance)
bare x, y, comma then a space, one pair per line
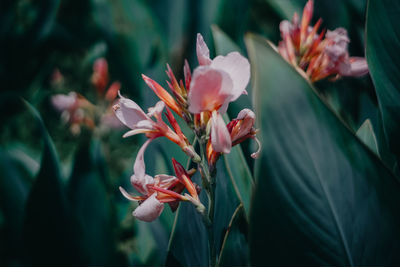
75, 214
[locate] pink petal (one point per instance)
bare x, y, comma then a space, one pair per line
220, 136
358, 67
247, 117
139, 179
157, 110
238, 68
149, 210
128, 112
203, 54
209, 89
62, 102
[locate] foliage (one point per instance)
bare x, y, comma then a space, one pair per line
325, 190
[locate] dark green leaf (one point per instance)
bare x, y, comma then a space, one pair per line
90, 207
367, 135
235, 249
383, 44
13, 194
49, 235
189, 240
322, 198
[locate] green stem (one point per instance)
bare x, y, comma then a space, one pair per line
209, 185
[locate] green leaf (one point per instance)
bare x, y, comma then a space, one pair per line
91, 207
49, 234
13, 194
235, 249
189, 239
383, 44
223, 43
322, 197
240, 175
367, 135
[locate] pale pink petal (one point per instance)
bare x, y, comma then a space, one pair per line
220, 136
238, 68
285, 28
357, 67
157, 110
209, 89
126, 194
203, 54
149, 210
139, 179
62, 102
128, 112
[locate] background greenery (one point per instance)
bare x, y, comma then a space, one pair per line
322, 194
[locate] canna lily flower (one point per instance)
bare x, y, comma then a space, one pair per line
319, 55
239, 129
159, 190
214, 84
131, 115
75, 110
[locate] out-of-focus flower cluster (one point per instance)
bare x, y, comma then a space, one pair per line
200, 100
77, 111
320, 55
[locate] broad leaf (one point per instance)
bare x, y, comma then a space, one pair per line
49, 234
189, 239
322, 197
235, 250
383, 45
367, 135
91, 208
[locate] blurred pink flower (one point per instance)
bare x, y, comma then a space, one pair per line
319, 55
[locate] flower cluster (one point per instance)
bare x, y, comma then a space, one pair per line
318, 55
78, 111
201, 100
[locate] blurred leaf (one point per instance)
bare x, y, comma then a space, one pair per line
383, 44
222, 42
14, 188
235, 250
49, 236
367, 135
90, 206
321, 198
189, 239
240, 175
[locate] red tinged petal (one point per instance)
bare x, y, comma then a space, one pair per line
162, 94
305, 20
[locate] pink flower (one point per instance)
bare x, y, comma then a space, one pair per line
130, 114
239, 130
158, 190
319, 55
214, 84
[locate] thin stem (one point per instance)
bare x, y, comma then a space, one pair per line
209, 184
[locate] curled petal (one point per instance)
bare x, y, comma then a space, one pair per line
203, 54
128, 196
209, 89
256, 154
357, 67
246, 118
157, 110
149, 210
139, 179
128, 112
220, 136
238, 68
